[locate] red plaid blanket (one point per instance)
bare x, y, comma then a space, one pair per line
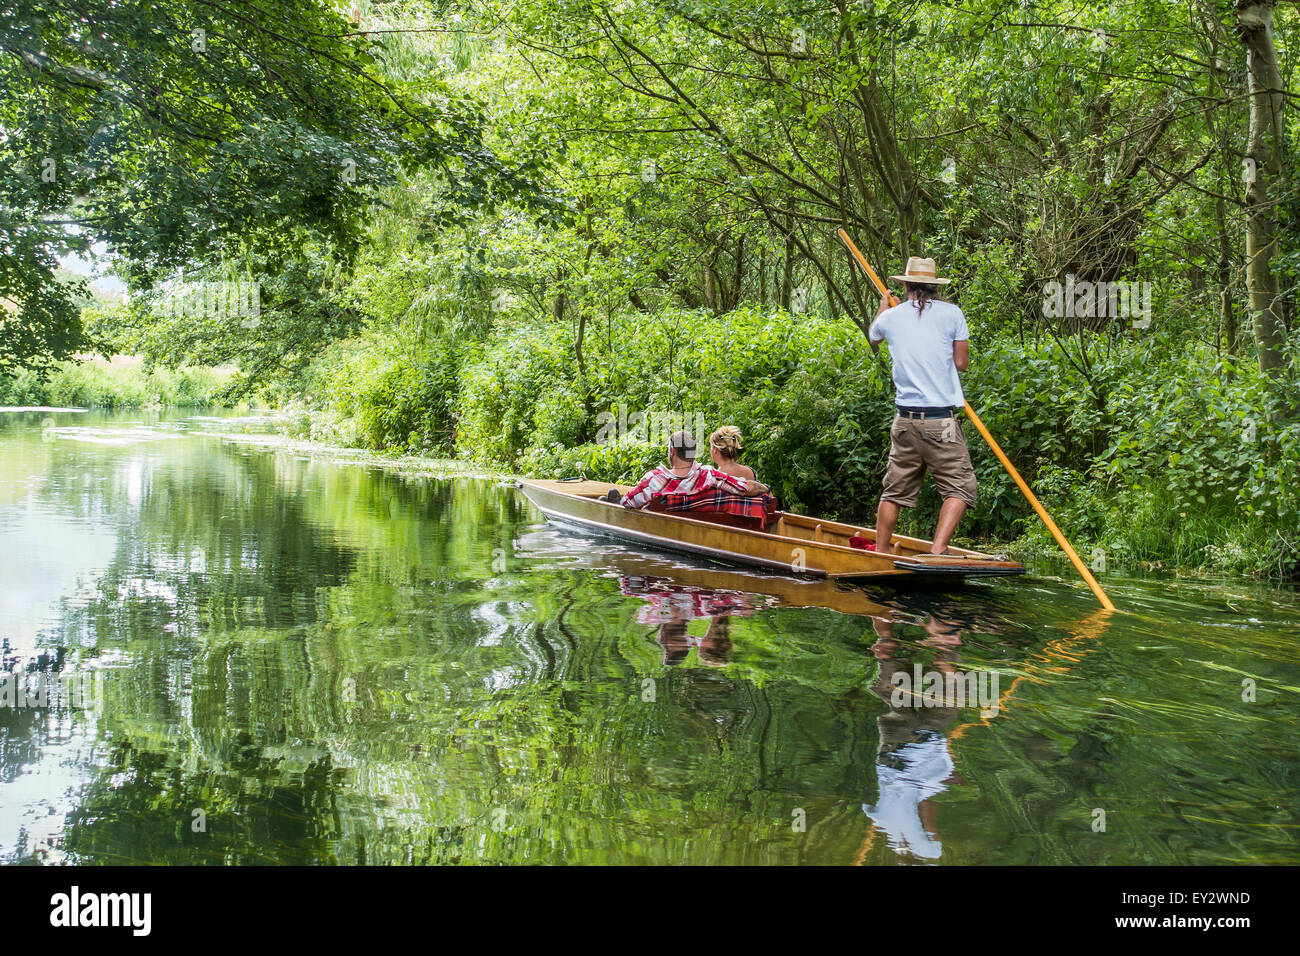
756, 506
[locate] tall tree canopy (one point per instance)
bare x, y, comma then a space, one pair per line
182, 131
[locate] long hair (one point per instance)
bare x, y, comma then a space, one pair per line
925, 294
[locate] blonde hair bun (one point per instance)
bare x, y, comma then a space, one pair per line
727, 440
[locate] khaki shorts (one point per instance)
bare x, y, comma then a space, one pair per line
937, 444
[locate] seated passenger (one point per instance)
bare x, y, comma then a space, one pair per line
684, 476
725, 449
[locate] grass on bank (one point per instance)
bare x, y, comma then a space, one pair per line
123, 381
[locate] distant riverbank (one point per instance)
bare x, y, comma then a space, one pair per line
123, 381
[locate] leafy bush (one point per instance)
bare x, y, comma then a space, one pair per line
380, 393
24, 388
616, 462
811, 402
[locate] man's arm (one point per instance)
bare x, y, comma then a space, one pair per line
961, 342
874, 328
960, 355
640, 496
746, 488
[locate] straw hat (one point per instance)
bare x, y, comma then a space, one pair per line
921, 270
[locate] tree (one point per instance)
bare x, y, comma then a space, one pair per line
184, 131
1263, 174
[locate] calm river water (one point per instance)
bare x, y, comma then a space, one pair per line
215, 651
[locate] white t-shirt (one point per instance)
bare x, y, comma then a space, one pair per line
921, 349
926, 767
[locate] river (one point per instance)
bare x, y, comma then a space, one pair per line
223, 650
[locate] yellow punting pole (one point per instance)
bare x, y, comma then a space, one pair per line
997, 450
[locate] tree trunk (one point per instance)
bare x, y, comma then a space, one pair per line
577, 343
1227, 315
557, 309
1220, 127
710, 288
1263, 169
738, 275
787, 271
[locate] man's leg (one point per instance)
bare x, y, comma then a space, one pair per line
902, 481
949, 463
949, 515
886, 522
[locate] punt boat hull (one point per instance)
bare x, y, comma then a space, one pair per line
792, 544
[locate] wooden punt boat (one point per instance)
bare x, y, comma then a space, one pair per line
792, 544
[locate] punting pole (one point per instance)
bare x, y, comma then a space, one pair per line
997, 451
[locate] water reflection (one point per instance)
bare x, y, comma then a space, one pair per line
913, 760
338, 664
671, 607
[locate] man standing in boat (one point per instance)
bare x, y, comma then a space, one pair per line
928, 345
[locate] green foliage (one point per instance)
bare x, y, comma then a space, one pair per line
127, 381
504, 379
566, 212
25, 387
180, 132
1213, 458
382, 394
803, 391
616, 462
124, 381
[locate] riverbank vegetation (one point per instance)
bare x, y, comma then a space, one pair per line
124, 381
509, 229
